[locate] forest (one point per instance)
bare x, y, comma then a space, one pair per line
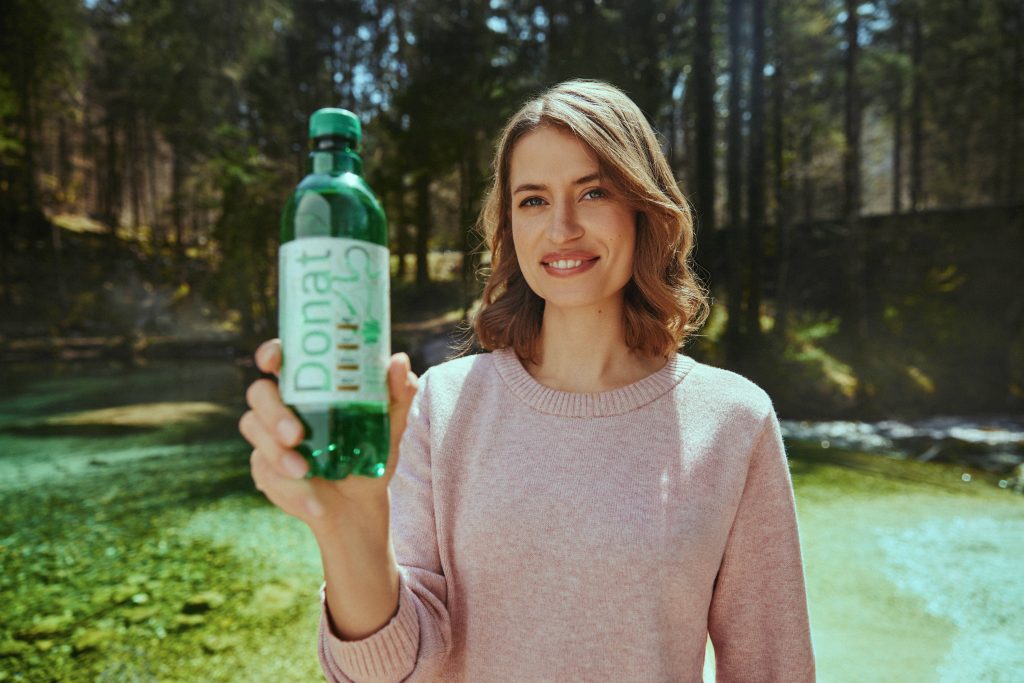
855, 169
856, 174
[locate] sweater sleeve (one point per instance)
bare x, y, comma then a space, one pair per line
758, 619
414, 645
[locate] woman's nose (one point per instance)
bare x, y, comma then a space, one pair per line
564, 226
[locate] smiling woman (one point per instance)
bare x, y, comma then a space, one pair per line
585, 502
574, 238
573, 169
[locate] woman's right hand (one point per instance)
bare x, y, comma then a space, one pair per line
280, 472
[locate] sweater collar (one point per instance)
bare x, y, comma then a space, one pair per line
600, 404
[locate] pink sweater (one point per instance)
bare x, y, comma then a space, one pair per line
551, 536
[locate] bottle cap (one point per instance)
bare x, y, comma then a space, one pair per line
333, 121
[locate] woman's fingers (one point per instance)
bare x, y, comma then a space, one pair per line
265, 399
402, 384
286, 462
268, 356
296, 497
273, 430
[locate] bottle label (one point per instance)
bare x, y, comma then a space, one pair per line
334, 322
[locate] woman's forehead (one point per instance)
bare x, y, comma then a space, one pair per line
550, 155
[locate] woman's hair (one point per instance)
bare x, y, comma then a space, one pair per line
664, 301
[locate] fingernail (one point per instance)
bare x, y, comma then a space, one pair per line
314, 507
289, 430
294, 466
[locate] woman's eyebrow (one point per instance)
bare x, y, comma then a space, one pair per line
534, 187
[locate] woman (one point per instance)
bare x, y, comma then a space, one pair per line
583, 503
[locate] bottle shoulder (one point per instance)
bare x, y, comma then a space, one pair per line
341, 183
343, 204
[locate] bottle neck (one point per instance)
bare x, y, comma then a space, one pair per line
333, 156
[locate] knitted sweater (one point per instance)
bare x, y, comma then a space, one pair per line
552, 536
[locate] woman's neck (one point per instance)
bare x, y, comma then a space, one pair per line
583, 350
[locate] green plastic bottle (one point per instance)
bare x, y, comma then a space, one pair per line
335, 323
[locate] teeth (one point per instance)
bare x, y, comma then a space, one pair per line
565, 264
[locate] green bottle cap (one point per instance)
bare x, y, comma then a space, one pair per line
333, 121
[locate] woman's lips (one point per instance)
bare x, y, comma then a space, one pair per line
563, 267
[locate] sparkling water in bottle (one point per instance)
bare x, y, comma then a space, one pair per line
334, 315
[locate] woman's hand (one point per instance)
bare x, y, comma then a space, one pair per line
279, 471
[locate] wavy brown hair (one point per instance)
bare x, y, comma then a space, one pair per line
664, 301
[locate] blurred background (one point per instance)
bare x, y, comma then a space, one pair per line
857, 175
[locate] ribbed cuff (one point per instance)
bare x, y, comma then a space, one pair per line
387, 655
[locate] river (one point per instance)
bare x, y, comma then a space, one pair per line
133, 547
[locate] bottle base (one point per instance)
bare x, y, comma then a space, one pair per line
344, 440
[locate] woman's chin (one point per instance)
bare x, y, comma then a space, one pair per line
579, 302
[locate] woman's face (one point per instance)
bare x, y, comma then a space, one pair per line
574, 234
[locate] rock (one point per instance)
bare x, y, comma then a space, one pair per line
124, 593
90, 639
44, 645
101, 596
272, 597
47, 626
184, 621
137, 615
13, 648
212, 644
1016, 479
203, 602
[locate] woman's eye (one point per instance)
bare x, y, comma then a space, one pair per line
596, 193
531, 201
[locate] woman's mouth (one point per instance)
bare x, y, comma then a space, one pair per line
569, 266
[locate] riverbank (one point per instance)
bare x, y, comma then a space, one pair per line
428, 341
134, 548
912, 571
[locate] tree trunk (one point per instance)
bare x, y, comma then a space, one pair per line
195, 217
807, 186
855, 317
59, 275
672, 125
783, 220
553, 41
704, 106
26, 93
178, 202
423, 226
755, 177
134, 172
65, 169
90, 150
734, 181
468, 180
916, 114
852, 124
9, 216
402, 235
156, 228
6, 279
897, 125
1014, 25
112, 179
686, 168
